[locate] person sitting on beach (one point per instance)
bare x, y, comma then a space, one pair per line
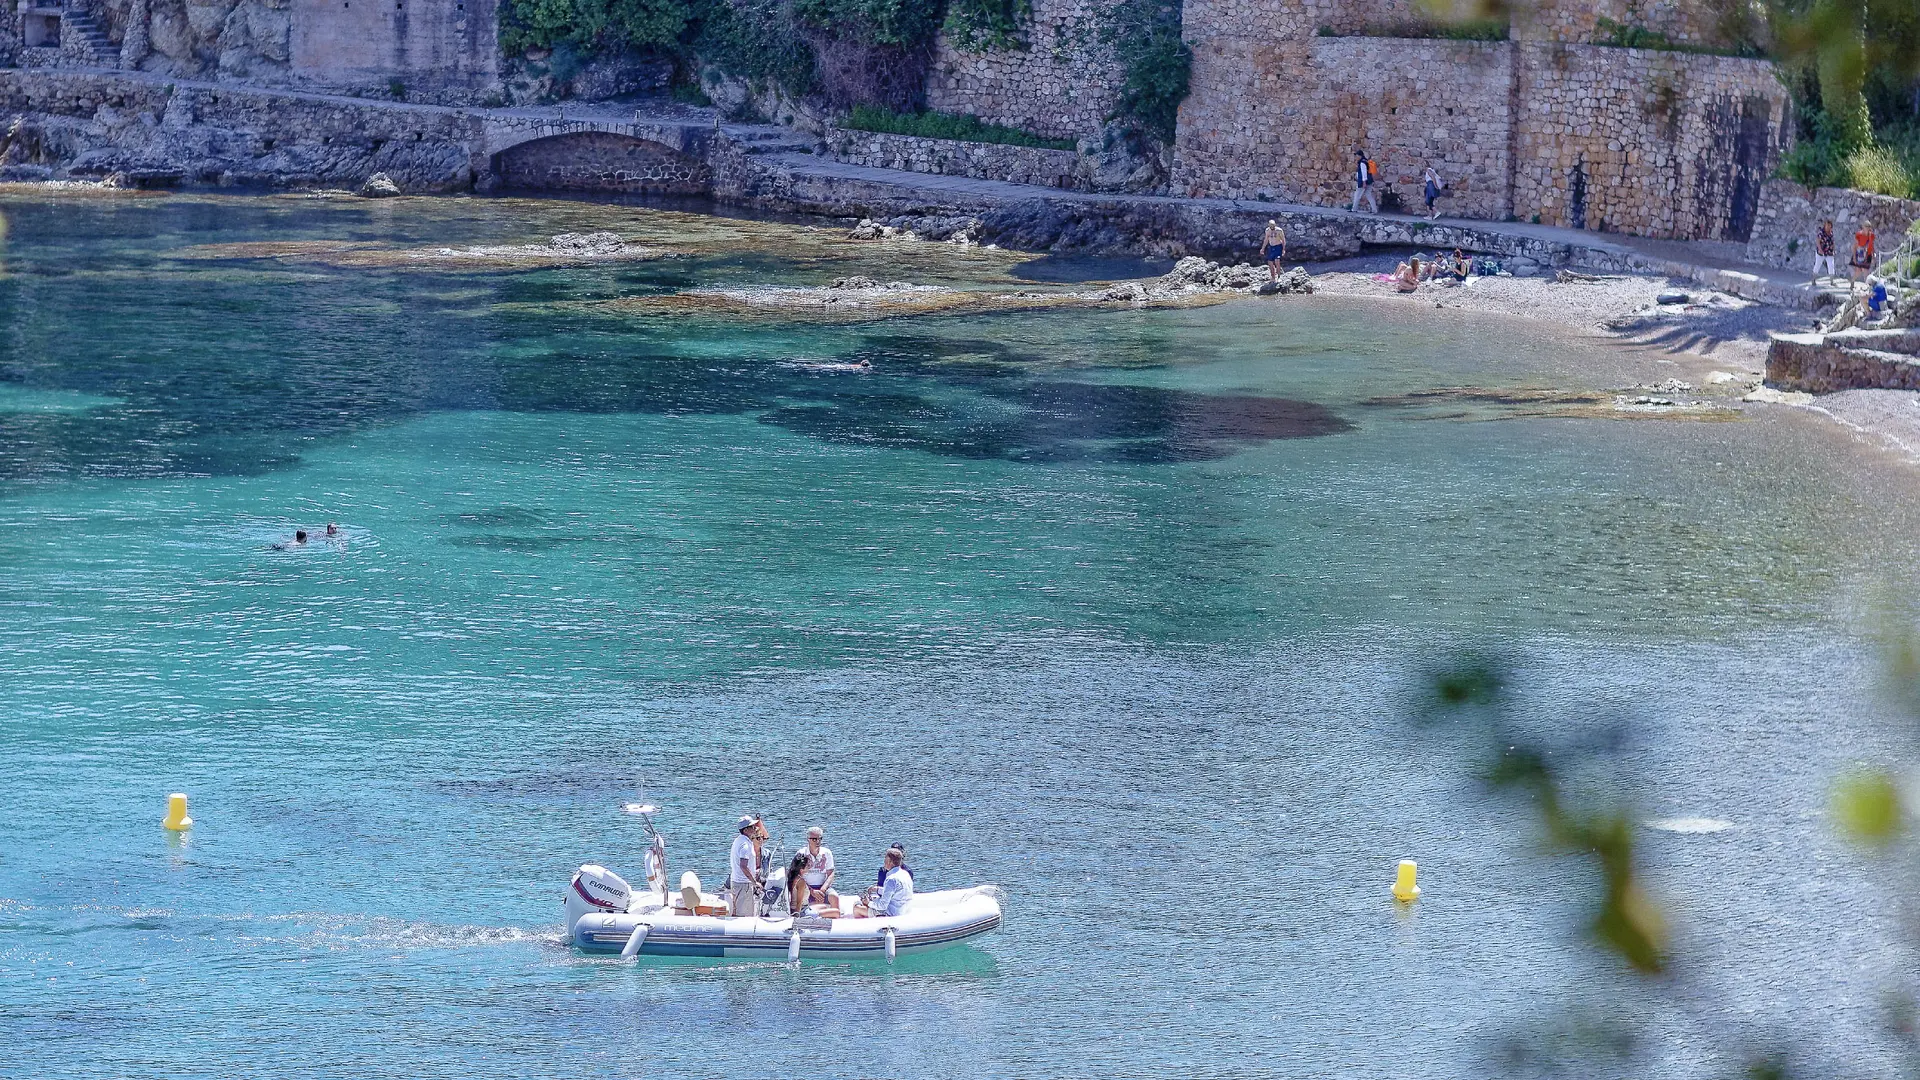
1462, 266
1273, 248
1406, 277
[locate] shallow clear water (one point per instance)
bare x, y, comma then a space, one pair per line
1120, 610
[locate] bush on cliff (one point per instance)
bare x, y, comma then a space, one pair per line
593, 26
937, 125
1145, 36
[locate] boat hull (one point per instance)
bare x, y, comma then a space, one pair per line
940, 921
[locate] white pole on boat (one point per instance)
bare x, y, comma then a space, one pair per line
634, 941
892, 946
793, 945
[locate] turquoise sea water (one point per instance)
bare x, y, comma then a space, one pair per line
1120, 610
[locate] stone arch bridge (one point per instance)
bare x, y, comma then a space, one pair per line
591, 151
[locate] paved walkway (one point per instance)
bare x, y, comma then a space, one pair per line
1709, 264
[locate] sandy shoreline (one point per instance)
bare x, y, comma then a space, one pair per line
1727, 334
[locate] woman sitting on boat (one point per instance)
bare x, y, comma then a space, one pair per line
799, 893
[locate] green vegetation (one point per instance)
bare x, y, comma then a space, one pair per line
1627, 36
589, 26
988, 24
936, 125
1145, 36
905, 23
778, 43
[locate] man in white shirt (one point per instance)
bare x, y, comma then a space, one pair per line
897, 891
743, 869
819, 876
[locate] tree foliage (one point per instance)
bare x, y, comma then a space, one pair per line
1145, 36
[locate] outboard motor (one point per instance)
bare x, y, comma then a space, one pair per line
596, 889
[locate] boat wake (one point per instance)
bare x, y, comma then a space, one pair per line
1689, 825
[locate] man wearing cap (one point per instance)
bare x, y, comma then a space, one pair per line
820, 870
743, 870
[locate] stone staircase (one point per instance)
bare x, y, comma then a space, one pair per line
82, 37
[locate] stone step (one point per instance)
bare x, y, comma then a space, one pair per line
1824, 364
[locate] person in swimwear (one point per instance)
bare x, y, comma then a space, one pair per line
1273, 248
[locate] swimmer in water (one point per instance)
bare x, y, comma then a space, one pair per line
332, 530
299, 540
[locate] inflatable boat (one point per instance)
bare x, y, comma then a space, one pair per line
648, 927
605, 914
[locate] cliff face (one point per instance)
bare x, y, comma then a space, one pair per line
429, 45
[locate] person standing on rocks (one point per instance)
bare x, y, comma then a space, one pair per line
1363, 177
1273, 248
1823, 251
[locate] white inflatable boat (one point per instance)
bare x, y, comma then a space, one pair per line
605, 915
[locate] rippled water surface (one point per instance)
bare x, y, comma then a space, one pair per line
1117, 609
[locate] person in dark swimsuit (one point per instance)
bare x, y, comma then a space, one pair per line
1273, 248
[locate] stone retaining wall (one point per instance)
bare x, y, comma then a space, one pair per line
952, 157
1644, 142
1823, 364
1063, 84
1789, 214
1410, 102
1647, 142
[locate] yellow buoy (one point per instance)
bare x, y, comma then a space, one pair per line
177, 818
1404, 890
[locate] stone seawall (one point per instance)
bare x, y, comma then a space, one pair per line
950, 157
92, 123
1789, 214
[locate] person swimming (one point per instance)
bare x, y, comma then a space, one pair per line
299, 540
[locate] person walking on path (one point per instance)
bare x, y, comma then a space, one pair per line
1363, 177
1273, 248
1861, 264
1431, 186
1823, 251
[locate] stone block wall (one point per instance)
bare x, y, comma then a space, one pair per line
1655, 143
950, 157
1692, 22
1062, 85
1789, 213
1651, 143
1291, 133
604, 162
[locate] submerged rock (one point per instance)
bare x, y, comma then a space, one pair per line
379, 186
597, 243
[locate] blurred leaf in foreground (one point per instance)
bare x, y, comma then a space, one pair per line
1867, 807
